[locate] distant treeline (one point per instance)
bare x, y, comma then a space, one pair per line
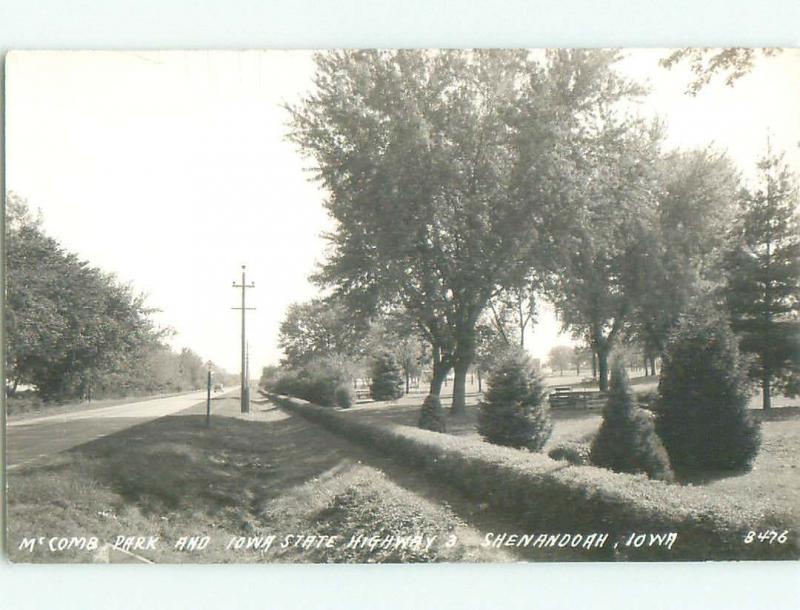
76, 332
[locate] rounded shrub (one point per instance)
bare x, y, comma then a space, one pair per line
317, 381
573, 452
702, 413
387, 378
513, 411
627, 439
431, 415
344, 396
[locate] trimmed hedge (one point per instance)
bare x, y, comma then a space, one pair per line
547, 496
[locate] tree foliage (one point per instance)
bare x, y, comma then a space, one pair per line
732, 63
73, 331
703, 418
319, 381
386, 383
428, 158
763, 277
67, 324
603, 236
627, 440
513, 411
431, 415
317, 329
695, 208
560, 357
397, 333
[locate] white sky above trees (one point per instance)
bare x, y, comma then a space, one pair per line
171, 170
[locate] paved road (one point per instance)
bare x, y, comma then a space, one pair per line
31, 439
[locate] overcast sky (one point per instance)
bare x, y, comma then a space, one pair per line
172, 170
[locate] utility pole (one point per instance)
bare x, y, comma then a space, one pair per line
245, 390
247, 365
208, 400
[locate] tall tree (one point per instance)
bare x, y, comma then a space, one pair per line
580, 356
421, 153
763, 287
67, 324
413, 147
695, 208
318, 328
596, 280
513, 311
560, 358
395, 332
595, 194
191, 368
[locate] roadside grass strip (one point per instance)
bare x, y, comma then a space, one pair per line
274, 489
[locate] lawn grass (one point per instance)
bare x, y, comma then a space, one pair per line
775, 474
273, 473
543, 494
269, 473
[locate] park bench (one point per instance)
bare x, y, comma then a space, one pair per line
362, 393
566, 397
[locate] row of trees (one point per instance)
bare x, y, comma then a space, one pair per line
73, 331
465, 185
324, 329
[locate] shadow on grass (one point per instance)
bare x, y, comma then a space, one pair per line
176, 463
228, 472
463, 424
706, 477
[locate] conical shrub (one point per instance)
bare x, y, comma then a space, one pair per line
703, 417
431, 415
387, 378
627, 439
513, 412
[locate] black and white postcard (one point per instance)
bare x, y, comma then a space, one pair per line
402, 306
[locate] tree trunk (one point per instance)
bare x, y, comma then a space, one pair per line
408, 381
646, 372
594, 365
440, 370
602, 365
578, 370
464, 355
653, 365
480, 386
459, 405
766, 390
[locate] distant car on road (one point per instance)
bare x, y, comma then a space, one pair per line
218, 387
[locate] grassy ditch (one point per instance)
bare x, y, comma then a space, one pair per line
242, 481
